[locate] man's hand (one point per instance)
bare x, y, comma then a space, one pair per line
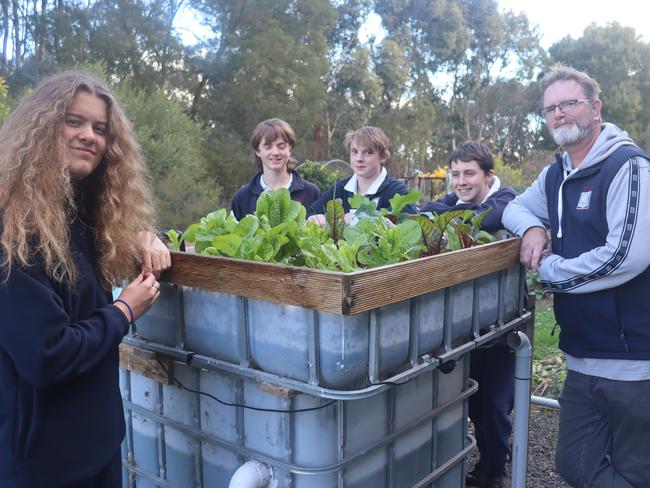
154, 254
533, 243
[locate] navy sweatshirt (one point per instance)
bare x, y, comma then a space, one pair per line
383, 195
245, 200
61, 414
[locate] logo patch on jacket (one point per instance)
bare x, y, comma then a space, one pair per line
585, 198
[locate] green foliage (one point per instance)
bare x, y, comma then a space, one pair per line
534, 284
546, 332
509, 175
381, 242
445, 71
451, 231
175, 150
278, 232
335, 218
322, 175
549, 368
399, 202
174, 239
4, 107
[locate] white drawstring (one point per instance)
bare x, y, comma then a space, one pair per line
559, 200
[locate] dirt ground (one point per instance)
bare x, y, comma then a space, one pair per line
541, 449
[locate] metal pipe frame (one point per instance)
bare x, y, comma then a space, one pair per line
290, 467
374, 353
426, 363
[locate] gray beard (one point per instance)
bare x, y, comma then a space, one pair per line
569, 135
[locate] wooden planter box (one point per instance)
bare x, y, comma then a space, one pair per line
338, 330
341, 293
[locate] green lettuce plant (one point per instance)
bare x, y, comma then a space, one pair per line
278, 232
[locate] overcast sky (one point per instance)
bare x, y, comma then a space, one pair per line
555, 18
559, 18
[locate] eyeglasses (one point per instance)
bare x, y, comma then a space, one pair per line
566, 106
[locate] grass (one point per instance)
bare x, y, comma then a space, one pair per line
549, 369
545, 337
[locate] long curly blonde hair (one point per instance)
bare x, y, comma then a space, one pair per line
38, 198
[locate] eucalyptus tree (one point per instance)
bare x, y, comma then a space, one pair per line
465, 54
351, 88
132, 38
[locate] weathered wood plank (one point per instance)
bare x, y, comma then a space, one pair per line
304, 287
341, 293
144, 362
389, 284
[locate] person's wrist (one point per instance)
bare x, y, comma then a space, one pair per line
126, 309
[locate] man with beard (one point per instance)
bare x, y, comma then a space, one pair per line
595, 199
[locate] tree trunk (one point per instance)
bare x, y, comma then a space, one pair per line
5, 32
16, 41
41, 33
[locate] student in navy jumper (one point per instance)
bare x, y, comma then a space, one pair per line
76, 211
595, 199
273, 142
368, 148
476, 187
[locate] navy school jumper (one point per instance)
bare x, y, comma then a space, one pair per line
61, 414
384, 193
245, 200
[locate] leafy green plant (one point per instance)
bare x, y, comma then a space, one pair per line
335, 218
451, 231
279, 232
534, 284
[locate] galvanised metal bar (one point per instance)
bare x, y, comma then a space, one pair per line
447, 332
198, 449
293, 468
244, 353
180, 320
495, 332
129, 430
414, 330
160, 435
427, 363
522, 287
341, 416
447, 465
501, 308
314, 359
476, 309
373, 356
390, 421
136, 471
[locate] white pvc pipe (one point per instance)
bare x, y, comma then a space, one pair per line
551, 403
523, 362
252, 474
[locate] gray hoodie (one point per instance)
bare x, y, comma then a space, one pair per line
530, 209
